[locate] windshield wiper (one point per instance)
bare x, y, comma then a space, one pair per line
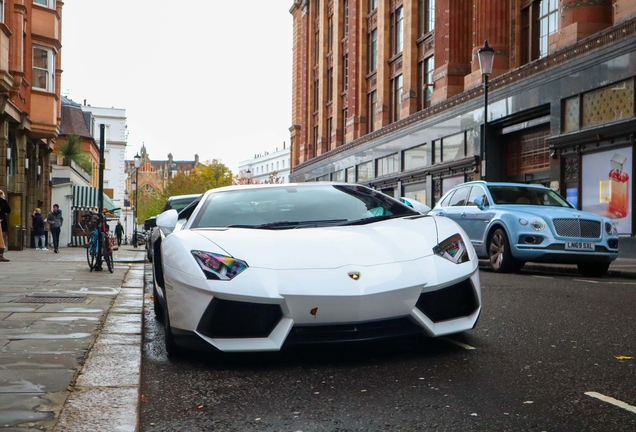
371, 219
291, 224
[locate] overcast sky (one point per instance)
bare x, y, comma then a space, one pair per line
209, 77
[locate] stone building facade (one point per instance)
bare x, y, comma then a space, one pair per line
389, 93
30, 71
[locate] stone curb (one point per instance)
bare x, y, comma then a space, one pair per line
107, 390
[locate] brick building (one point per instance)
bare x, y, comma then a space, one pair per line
30, 71
389, 93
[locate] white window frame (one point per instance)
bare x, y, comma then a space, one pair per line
50, 70
45, 3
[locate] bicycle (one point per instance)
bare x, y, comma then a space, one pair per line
99, 244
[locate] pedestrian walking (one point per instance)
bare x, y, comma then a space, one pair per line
4, 226
55, 221
37, 222
119, 232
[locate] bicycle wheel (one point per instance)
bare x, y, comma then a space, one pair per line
91, 255
107, 252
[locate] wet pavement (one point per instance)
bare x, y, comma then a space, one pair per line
70, 341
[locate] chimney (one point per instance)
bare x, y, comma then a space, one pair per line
84, 102
196, 160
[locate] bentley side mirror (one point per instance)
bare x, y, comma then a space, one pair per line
480, 202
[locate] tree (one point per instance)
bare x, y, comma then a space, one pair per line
210, 175
274, 178
243, 178
71, 150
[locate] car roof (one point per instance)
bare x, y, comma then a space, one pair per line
174, 197
279, 186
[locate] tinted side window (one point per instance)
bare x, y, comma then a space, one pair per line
459, 197
445, 201
477, 191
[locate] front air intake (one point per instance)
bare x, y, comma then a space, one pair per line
233, 319
455, 301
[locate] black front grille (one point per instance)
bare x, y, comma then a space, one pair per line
579, 228
452, 302
233, 319
301, 334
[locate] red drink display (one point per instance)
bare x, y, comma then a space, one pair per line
619, 187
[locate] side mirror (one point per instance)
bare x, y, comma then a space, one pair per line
480, 202
167, 221
150, 223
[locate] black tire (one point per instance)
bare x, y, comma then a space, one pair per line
107, 251
172, 350
159, 314
593, 269
91, 256
499, 255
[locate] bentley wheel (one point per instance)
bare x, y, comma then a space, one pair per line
501, 259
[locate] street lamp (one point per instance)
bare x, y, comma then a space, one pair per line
136, 184
249, 176
486, 57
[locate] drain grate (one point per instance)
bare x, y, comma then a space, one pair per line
51, 299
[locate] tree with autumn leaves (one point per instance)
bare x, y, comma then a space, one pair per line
210, 175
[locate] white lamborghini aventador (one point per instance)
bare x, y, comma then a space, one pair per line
252, 268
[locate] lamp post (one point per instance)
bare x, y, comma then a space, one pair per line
249, 176
135, 188
486, 57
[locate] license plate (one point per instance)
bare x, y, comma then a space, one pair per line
580, 246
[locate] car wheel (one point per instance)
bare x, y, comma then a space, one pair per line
172, 350
501, 259
593, 269
159, 315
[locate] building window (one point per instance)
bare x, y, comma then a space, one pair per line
344, 125
345, 72
345, 15
316, 48
396, 98
426, 16
316, 94
387, 165
425, 79
317, 10
371, 111
453, 148
364, 171
48, 3
43, 65
373, 50
1, 10
329, 128
373, 5
330, 85
397, 31
330, 33
415, 157
315, 136
548, 23
350, 175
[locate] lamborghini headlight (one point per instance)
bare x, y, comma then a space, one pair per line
218, 267
453, 249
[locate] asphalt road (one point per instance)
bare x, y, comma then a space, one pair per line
543, 341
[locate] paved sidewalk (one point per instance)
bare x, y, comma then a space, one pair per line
70, 341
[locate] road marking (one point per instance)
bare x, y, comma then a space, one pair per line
612, 401
459, 344
543, 277
585, 280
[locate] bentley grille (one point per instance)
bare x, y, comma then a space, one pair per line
581, 228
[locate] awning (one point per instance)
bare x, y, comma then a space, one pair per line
85, 198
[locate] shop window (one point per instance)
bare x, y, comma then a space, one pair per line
571, 114
453, 147
416, 191
364, 171
529, 153
325, 177
608, 104
437, 151
387, 165
350, 175
415, 157
338, 176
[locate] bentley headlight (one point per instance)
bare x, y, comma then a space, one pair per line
218, 267
537, 224
610, 228
453, 249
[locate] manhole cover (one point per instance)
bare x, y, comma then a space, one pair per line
51, 299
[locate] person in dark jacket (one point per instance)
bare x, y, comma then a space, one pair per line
119, 232
4, 226
55, 221
38, 229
